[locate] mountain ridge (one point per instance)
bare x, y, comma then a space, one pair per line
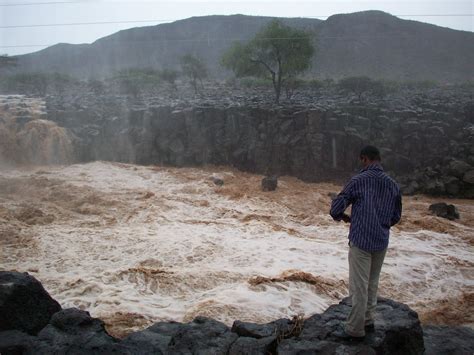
370, 43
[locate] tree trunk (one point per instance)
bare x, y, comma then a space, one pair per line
276, 87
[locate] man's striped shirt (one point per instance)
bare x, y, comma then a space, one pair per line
376, 206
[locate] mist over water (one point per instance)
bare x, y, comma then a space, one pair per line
27, 138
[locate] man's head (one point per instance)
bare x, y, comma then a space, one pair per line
369, 154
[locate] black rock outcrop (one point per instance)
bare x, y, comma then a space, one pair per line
269, 183
442, 209
397, 331
441, 339
73, 331
24, 303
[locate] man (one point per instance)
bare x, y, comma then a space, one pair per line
376, 206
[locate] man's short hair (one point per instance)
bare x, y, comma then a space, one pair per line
371, 152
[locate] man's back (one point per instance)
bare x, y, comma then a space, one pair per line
376, 206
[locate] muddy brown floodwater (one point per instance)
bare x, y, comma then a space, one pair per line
135, 245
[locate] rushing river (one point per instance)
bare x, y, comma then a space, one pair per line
136, 244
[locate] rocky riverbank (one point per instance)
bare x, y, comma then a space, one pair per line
34, 323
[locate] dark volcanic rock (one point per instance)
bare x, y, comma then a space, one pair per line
322, 348
74, 331
14, 342
154, 339
444, 210
441, 340
217, 181
252, 346
24, 303
469, 177
257, 331
458, 168
397, 331
202, 336
269, 183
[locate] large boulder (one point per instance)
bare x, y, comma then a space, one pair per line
458, 168
397, 331
469, 177
202, 336
279, 327
24, 303
269, 183
252, 346
74, 331
442, 209
15, 342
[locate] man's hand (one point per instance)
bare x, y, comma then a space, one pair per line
346, 218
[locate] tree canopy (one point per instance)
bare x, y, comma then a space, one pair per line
277, 51
194, 69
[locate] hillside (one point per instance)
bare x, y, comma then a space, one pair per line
365, 43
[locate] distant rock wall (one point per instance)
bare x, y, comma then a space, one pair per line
427, 146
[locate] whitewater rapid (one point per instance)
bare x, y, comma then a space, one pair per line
134, 245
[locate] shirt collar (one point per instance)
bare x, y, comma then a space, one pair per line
373, 166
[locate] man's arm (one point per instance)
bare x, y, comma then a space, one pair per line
397, 212
341, 202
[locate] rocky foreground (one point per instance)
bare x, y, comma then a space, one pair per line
33, 323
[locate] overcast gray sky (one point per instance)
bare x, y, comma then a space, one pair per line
456, 14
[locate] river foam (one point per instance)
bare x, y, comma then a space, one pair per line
135, 244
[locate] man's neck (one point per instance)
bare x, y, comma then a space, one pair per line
371, 165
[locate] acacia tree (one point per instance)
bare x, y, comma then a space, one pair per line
194, 69
277, 51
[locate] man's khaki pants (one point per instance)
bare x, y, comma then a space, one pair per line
364, 272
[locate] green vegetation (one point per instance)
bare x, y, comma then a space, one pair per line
194, 69
134, 81
278, 52
358, 85
7, 61
169, 76
39, 84
255, 83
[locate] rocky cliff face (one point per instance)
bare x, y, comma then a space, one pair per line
425, 138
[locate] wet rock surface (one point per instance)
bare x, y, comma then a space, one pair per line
448, 340
397, 331
24, 303
269, 183
444, 210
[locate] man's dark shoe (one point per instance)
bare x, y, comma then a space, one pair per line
369, 327
347, 337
